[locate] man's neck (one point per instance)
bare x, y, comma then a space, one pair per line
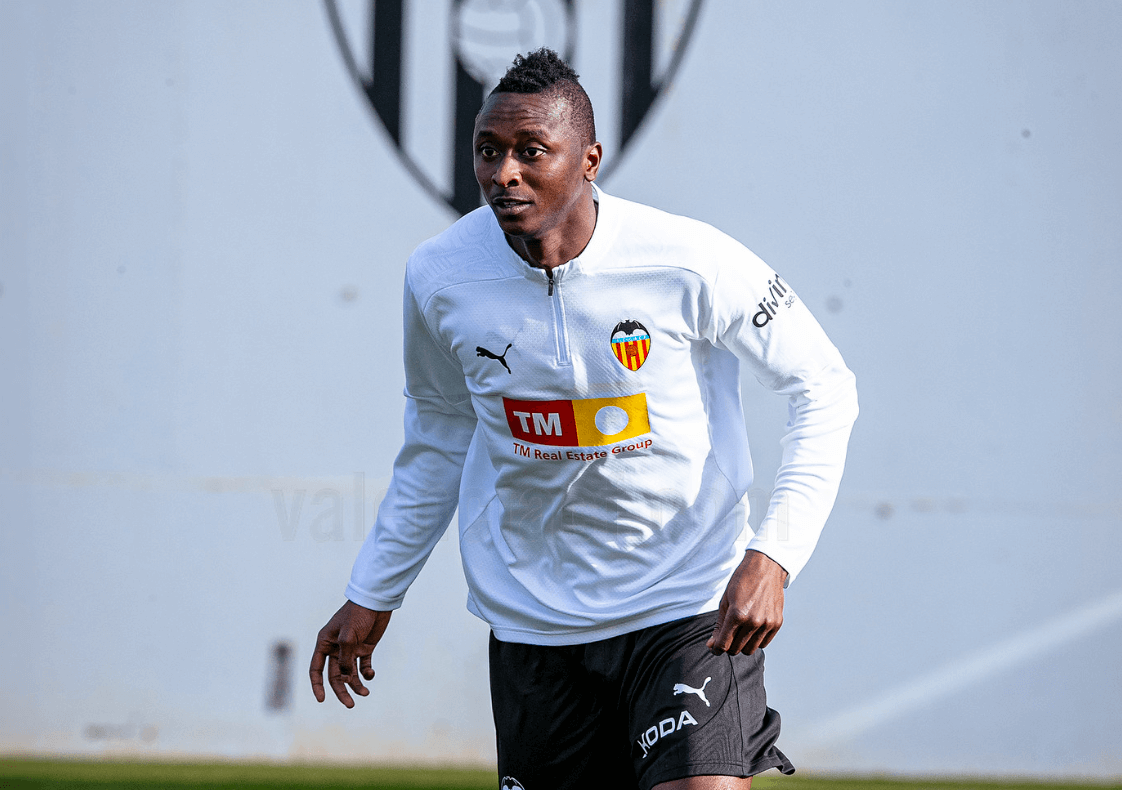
562, 243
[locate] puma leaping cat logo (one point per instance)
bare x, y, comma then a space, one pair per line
480, 351
682, 688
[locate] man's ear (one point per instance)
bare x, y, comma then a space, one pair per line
592, 156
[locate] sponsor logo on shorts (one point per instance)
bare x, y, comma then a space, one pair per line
668, 726
682, 688
631, 343
590, 422
777, 294
510, 783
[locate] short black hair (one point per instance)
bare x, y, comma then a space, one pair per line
543, 71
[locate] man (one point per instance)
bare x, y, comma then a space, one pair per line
572, 381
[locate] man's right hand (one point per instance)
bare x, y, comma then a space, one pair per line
353, 632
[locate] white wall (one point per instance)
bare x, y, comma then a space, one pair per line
202, 233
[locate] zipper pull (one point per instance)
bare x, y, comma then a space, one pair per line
549, 274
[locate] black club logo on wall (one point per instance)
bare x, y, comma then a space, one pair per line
425, 67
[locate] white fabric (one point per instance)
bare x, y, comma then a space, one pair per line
570, 548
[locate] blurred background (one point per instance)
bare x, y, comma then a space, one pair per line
205, 209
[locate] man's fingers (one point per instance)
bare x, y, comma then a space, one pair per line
348, 656
354, 680
749, 640
365, 668
347, 653
751, 636
722, 637
731, 640
338, 684
742, 640
315, 670
715, 641
741, 634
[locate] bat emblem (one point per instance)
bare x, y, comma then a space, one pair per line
631, 344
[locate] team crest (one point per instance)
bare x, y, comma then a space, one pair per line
510, 783
631, 343
425, 68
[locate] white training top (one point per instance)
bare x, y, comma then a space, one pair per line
588, 424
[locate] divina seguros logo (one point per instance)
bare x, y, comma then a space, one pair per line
425, 72
777, 293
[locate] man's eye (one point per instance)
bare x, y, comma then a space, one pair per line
533, 152
486, 151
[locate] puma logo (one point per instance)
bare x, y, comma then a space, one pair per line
682, 688
480, 351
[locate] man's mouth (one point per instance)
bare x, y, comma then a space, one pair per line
508, 203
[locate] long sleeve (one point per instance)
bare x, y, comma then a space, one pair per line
757, 316
423, 492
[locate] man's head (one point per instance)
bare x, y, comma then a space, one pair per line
536, 151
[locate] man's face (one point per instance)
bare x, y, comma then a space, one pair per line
530, 163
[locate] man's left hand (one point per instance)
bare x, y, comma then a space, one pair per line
752, 607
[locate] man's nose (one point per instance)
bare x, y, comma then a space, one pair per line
507, 173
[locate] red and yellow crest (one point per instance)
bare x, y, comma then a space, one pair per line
631, 343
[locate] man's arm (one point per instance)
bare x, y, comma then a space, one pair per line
439, 425
757, 316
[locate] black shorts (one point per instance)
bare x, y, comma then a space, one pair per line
631, 711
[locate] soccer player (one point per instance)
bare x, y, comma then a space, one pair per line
573, 371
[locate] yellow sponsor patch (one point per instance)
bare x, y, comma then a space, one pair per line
606, 420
